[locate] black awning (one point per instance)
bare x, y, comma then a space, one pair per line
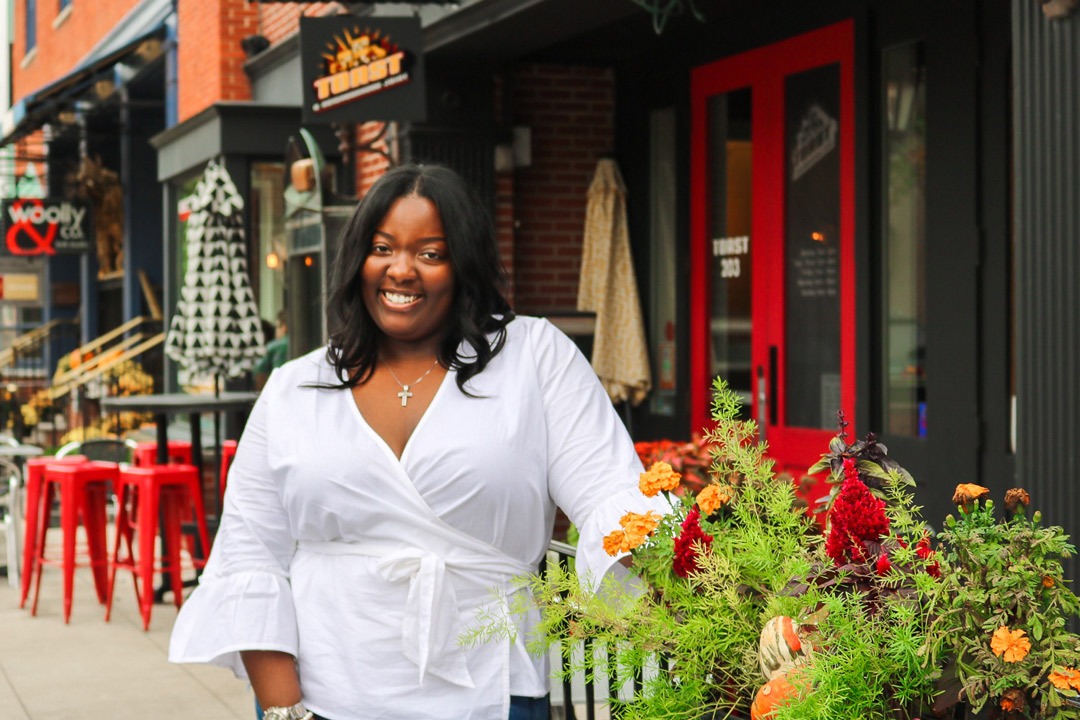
136, 39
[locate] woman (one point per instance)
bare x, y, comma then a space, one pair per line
386, 485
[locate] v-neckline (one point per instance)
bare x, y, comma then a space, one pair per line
380, 440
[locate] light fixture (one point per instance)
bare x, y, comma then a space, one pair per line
817, 236
308, 261
273, 260
661, 10
253, 45
1058, 9
104, 87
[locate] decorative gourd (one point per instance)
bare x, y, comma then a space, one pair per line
770, 696
781, 647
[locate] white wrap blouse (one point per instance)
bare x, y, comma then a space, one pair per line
368, 568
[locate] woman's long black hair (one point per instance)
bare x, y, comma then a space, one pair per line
479, 308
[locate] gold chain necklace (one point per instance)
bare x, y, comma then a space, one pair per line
405, 394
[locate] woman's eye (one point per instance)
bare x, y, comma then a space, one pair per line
379, 249
432, 255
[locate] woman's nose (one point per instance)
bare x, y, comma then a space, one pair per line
401, 266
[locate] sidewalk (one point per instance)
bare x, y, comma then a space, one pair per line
93, 670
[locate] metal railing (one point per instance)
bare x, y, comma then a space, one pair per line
597, 697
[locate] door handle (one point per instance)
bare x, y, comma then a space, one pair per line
766, 392
762, 405
774, 364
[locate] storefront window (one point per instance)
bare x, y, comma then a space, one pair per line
662, 245
268, 237
904, 239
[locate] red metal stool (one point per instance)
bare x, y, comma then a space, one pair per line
35, 486
83, 492
173, 491
228, 452
145, 453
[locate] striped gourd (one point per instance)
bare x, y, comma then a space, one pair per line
780, 647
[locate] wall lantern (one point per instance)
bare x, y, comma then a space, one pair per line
1058, 9
661, 10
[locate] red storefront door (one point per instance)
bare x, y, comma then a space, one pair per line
772, 233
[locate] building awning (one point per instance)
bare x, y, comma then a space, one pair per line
135, 41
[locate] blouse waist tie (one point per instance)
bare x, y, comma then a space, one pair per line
431, 627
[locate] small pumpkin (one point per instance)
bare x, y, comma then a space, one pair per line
770, 696
781, 647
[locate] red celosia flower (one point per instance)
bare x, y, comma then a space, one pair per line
923, 550
884, 565
856, 517
687, 544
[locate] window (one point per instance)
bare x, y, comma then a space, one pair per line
31, 25
663, 243
903, 168
266, 205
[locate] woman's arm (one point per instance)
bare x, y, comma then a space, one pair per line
273, 677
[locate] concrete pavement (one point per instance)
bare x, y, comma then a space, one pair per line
93, 670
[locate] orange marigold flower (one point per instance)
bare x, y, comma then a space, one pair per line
615, 543
659, 476
1067, 679
1015, 498
1010, 645
1013, 700
967, 493
712, 498
638, 527
1048, 582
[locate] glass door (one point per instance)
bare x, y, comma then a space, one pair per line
772, 228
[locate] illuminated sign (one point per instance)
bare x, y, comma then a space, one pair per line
45, 226
359, 69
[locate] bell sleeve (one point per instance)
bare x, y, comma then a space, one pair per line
593, 469
243, 600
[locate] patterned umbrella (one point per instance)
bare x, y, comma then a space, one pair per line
216, 328
608, 288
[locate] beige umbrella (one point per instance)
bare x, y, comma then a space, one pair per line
608, 287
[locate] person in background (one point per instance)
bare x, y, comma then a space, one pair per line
392, 489
277, 352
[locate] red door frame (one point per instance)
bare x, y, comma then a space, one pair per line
764, 70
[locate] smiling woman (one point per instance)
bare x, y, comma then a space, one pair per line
393, 488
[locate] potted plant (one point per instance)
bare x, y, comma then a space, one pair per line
753, 609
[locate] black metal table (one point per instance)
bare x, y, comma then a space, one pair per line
163, 405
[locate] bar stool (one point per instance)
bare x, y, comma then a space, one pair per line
145, 453
172, 490
83, 491
228, 453
34, 488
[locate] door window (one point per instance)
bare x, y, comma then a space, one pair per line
903, 163
812, 248
729, 240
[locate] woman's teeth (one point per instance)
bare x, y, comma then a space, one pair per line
398, 299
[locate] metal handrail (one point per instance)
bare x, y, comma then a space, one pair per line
29, 339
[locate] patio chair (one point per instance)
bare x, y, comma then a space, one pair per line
108, 449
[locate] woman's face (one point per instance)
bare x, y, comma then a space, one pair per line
407, 280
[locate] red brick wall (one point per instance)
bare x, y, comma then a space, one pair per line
504, 226
209, 57
370, 166
279, 21
59, 49
571, 113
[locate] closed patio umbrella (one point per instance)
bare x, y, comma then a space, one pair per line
608, 287
216, 328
